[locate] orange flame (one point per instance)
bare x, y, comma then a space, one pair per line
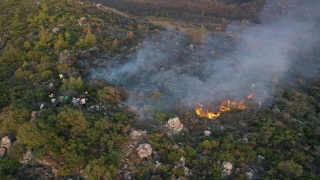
250, 96
224, 107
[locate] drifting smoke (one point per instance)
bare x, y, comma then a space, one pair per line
262, 54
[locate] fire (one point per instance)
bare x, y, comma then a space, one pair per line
224, 107
250, 96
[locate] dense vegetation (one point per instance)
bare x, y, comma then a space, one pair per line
86, 144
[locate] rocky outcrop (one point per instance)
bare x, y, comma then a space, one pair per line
227, 168
5, 145
144, 150
137, 134
174, 125
69, 59
27, 157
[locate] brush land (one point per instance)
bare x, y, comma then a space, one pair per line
123, 131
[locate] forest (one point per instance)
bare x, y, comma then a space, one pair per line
39, 40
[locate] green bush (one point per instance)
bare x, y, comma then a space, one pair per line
290, 168
11, 122
119, 117
8, 165
36, 133
75, 84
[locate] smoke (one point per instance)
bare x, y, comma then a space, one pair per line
251, 58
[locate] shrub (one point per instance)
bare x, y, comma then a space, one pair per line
198, 35
75, 84
290, 168
96, 169
46, 75
8, 165
11, 122
36, 133
130, 35
119, 117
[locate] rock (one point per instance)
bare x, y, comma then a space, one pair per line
261, 159
69, 59
227, 168
276, 110
127, 175
190, 47
245, 140
51, 85
207, 133
33, 115
182, 161
27, 157
144, 150
4, 146
6, 142
55, 30
93, 51
187, 171
156, 155
249, 175
174, 124
158, 164
137, 134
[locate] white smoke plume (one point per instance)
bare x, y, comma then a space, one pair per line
262, 54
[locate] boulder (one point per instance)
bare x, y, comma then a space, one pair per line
227, 168
207, 133
6, 142
144, 150
4, 146
174, 124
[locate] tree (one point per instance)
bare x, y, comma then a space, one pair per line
60, 43
45, 37
75, 84
11, 122
96, 169
290, 168
72, 122
36, 133
88, 41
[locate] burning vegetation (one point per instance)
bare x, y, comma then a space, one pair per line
224, 107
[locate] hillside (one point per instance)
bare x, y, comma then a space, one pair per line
176, 90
